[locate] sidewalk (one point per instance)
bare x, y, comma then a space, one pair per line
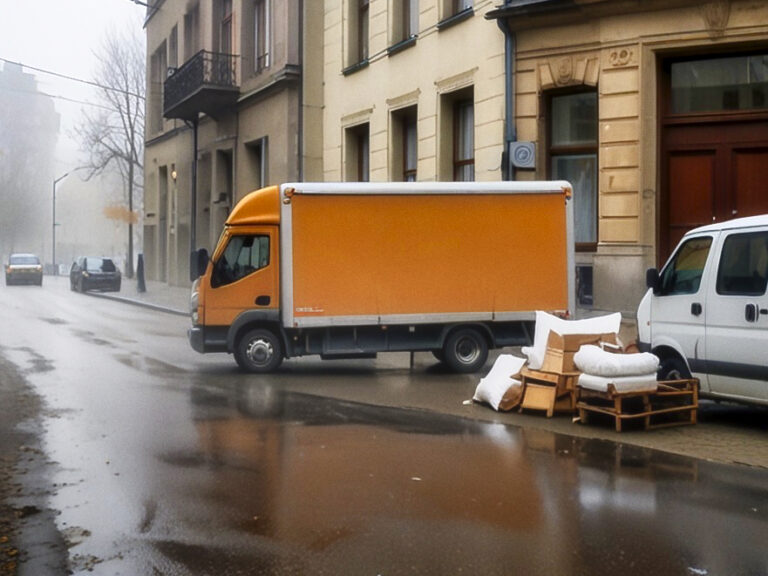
158, 296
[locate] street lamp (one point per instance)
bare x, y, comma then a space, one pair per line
56, 181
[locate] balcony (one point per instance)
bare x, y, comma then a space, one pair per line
206, 83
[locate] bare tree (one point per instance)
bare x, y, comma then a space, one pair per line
113, 136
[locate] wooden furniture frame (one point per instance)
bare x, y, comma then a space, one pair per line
548, 391
674, 403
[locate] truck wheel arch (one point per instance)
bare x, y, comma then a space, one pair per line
251, 319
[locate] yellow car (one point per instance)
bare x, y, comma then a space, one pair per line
23, 269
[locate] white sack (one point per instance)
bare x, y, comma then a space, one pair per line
642, 383
498, 382
608, 324
598, 362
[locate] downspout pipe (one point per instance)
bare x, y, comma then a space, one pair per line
510, 131
193, 202
302, 79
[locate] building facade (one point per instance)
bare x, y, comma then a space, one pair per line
657, 111
233, 103
414, 90
29, 130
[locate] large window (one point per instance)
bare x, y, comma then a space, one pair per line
158, 70
464, 141
573, 157
192, 32
261, 35
720, 84
225, 33
243, 255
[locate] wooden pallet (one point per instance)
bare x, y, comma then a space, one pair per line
674, 403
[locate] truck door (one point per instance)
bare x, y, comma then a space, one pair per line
244, 276
677, 309
737, 318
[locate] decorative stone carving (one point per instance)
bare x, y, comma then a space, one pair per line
564, 71
569, 71
716, 14
620, 57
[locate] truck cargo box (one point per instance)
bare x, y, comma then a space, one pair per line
402, 253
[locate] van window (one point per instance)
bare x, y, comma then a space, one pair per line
743, 266
242, 256
682, 275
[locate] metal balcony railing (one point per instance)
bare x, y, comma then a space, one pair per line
205, 83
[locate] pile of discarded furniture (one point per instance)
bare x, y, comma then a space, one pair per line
580, 367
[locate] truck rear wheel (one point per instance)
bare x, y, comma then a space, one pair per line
465, 350
259, 351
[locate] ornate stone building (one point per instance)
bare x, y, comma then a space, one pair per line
657, 111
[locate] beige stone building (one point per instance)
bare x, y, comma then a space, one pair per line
234, 102
414, 90
657, 111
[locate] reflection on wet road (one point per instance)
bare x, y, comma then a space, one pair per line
323, 486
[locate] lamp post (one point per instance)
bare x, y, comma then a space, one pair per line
53, 251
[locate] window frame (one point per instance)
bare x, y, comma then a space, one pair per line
460, 162
218, 281
262, 36
671, 268
559, 151
727, 260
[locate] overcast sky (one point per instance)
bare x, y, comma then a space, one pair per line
61, 36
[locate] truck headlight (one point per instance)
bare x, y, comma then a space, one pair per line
194, 299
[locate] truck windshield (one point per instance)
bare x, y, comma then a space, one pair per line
242, 256
682, 275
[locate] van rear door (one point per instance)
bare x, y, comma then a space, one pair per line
737, 317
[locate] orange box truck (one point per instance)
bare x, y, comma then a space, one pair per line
347, 270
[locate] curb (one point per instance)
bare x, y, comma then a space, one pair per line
141, 303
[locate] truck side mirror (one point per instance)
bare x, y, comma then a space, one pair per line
198, 262
652, 279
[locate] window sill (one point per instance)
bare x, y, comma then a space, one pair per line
456, 18
402, 45
355, 67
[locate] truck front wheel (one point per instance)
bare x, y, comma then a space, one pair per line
259, 351
465, 350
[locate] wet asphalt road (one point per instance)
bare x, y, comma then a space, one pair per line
157, 460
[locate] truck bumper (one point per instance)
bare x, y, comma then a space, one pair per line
643, 346
196, 339
205, 339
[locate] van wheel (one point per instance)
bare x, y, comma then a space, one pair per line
259, 351
465, 351
673, 368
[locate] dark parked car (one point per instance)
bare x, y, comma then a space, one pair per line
23, 269
89, 273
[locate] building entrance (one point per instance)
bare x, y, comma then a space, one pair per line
714, 151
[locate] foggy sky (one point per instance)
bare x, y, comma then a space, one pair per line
61, 36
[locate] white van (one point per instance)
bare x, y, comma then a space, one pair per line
706, 313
